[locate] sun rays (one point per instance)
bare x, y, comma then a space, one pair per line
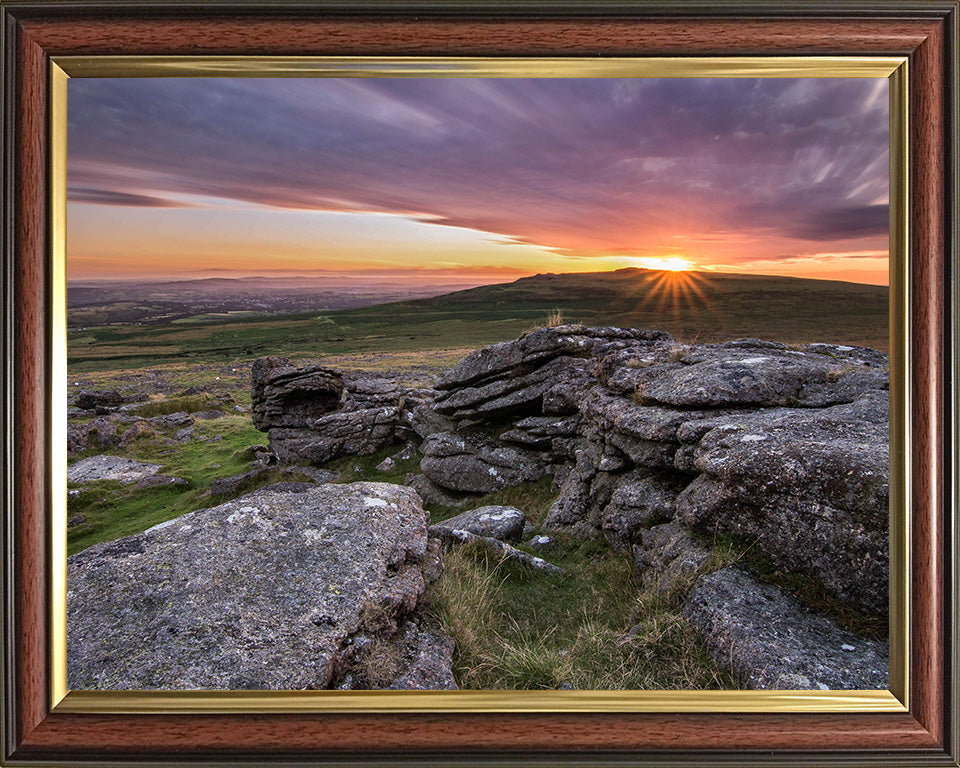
673, 291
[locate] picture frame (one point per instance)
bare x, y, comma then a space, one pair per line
39, 728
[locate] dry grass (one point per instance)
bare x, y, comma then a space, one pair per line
555, 318
593, 630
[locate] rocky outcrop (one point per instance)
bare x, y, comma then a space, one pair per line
315, 414
92, 399
785, 448
270, 591
656, 446
284, 395
771, 642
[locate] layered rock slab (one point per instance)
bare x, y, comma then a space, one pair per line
771, 642
262, 592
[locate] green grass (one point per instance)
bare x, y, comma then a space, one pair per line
189, 404
710, 307
517, 629
520, 629
111, 510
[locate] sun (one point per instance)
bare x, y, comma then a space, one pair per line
666, 263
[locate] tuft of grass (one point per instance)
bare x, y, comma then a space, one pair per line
554, 318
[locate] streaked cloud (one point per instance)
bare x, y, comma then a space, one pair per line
717, 171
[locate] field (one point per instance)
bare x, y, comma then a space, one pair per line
693, 306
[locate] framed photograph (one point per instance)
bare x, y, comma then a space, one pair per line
579, 379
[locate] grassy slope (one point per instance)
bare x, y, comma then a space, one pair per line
692, 306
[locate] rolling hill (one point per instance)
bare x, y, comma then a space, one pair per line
694, 306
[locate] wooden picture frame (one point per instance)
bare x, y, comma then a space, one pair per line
35, 33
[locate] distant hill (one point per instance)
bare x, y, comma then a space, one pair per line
703, 306
693, 306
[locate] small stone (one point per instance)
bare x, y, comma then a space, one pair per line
541, 543
386, 465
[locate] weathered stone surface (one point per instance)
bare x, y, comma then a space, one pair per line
101, 398
810, 486
720, 376
426, 660
288, 486
499, 548
496, 522
109, 468
364, 391
538, 347
137, 431
514, 395
184, 435
170, 420
424, 420
582, 495
155, 481
540, 432
100, 432
768, 640
225, 486
666, 555
639, 499
468, 464
209, 415
434, 495
284, 395
361, 432
839, 454
262, 592
76, 439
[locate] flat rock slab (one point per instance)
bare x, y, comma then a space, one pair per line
110, 468
767, 639
262, 592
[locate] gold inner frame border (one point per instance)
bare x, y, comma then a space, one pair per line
895, 699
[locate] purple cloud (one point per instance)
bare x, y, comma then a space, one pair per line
588, 165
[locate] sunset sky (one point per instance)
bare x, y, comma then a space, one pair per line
485, 179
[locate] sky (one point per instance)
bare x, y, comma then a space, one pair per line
485, 179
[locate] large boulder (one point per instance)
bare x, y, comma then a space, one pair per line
284, 395
770, 642
809, 486
263, 592
360, 432
495, 522
470, 464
